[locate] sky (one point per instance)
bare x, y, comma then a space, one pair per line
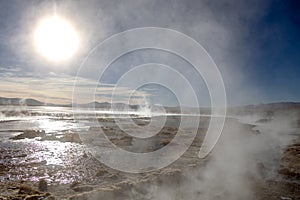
255, 45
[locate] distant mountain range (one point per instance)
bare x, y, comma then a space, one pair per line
20, 101
105, 105
33, 102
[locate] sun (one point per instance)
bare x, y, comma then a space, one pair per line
56, 39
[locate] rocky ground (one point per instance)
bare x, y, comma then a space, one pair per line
287, 185
87, 178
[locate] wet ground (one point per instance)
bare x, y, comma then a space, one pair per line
38, 147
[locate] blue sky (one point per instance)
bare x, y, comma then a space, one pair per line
255, 44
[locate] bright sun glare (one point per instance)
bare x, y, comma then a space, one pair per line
56, 39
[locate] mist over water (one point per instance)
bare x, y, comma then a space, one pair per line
248, 152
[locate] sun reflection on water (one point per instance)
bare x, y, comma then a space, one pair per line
55, 153
52, 126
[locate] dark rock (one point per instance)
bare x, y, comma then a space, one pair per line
25, 189
290, 173
84, 188
3, 167
34, 197
165, 142
124, 141
44, 162
29, 134
101, 173
43, 185
113, 176
74, 184
21, 155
